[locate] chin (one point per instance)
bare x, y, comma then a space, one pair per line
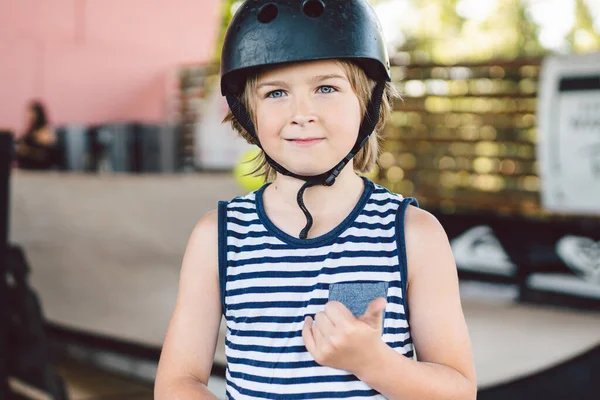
309, 169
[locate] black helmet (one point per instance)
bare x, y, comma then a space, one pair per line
271, 32
283, 31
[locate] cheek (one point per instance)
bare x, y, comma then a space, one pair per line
345, 117
268, 123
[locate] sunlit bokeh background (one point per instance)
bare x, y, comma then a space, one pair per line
464, 134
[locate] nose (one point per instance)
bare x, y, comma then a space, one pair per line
303, 112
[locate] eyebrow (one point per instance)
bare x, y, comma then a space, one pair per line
271, 83
320, 78
316, 79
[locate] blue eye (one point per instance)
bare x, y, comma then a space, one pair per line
275, 94
326, 89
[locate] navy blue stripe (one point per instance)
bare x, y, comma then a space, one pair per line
357, 225
222, 251
395, 331
378, 213
400, 343
319, 258
242, 222
301, 289
395, 300
401, 246
272, 364
384, 202
242, 210
266, 334
252, 305
293, 381
253, 234
310, 395
284, 246
239, 200
265, 349
294, 334
265, 319
272, 289
310, 274
373, 225
395, 315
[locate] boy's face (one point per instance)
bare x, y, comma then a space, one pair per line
307, 115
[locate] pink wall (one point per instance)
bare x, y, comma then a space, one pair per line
96, 61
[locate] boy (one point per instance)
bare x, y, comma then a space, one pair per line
315, 273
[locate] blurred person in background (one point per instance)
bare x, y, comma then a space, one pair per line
36, 147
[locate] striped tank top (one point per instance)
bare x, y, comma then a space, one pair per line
271, 280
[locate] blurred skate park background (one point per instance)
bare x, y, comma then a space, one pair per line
497, 135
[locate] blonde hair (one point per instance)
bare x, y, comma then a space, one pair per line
361, 84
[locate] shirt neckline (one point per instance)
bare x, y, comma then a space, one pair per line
319, 240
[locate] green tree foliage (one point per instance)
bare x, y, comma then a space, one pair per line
583, 37
226, 15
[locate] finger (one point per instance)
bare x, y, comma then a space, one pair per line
374, 314
324, 325
308, 336
321, 340
338, 313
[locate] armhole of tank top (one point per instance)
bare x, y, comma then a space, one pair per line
401, 245
222, 251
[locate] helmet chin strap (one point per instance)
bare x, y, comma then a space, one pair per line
328, 178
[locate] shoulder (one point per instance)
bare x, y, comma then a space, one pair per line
201, 254
427, 246
421, 224
203, 241
206, 229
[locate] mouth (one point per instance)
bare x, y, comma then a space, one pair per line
304, 141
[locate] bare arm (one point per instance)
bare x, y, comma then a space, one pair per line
46, 136
444, 369
189, 347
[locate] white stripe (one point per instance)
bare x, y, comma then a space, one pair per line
309, 266
268, 357
251, 241
281, 296
382, 220
305, 388
242, 216
293, 372
276, 312
371, 233
245, 229
323, 279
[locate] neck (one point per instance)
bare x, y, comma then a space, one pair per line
319, 199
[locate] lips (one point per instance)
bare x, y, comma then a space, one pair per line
304, 141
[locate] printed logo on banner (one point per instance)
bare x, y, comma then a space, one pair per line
479, 250
582, 255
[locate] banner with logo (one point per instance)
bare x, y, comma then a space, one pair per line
569, 134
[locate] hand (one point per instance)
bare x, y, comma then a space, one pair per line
339, 340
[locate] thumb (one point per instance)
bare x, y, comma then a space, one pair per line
374, 314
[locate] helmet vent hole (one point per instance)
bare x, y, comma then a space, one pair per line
267, 13
313, 8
